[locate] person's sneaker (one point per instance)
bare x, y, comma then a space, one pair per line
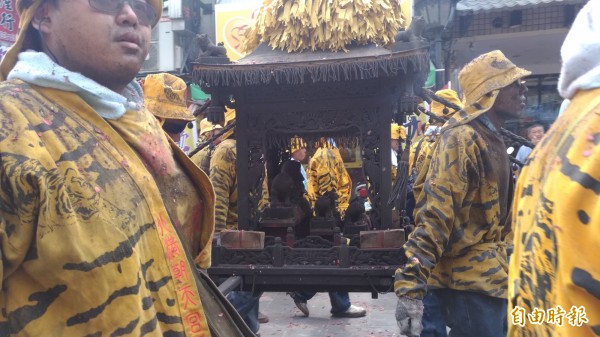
352, 312
302, 306
262, 318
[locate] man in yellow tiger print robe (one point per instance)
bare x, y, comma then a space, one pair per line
223, 175
224, 178
433, 319
458, 246
207, 131
554, 279
398, 137
94, 196
420, 149
326, 172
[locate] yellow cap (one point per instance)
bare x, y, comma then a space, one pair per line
297, 143
164, 96
27, 38
481, 81
398, 131
206, 126
486, 73
438, 108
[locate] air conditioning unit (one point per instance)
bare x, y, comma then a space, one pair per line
152, 59
161, 55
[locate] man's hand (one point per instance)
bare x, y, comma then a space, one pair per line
409, 312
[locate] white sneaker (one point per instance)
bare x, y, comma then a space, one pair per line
352, 312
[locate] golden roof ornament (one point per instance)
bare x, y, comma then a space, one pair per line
325, 25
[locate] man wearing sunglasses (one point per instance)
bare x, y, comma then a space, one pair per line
103, 220
458, 247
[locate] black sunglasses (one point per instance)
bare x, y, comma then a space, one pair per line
142, 9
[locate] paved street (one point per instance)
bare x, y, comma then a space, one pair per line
287, 321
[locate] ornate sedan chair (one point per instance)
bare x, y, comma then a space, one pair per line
312, 94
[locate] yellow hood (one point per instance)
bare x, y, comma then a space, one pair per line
481, 80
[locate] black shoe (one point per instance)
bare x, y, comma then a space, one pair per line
302, 306
352, 312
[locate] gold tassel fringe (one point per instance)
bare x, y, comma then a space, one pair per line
330, 25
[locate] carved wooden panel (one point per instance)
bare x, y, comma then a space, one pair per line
313, 242
312, 256
245, 256
377, 257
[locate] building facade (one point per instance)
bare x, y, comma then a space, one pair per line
530, 33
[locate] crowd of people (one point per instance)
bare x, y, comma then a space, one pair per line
327, 180
106, 225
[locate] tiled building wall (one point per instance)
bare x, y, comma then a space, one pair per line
499, 22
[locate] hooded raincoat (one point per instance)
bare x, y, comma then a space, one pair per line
326, 172
463, 198
554, 286
89, 209
224, 179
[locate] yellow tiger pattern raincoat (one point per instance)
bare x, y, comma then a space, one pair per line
463, 199
87, 221
419, 151
326, 172
458, 242
202, 158
553, 268
224, 179
420, 148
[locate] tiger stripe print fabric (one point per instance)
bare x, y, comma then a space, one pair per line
326, 172
420, 149
224, 180
202, 158
461, 208
87, 240
553, 269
